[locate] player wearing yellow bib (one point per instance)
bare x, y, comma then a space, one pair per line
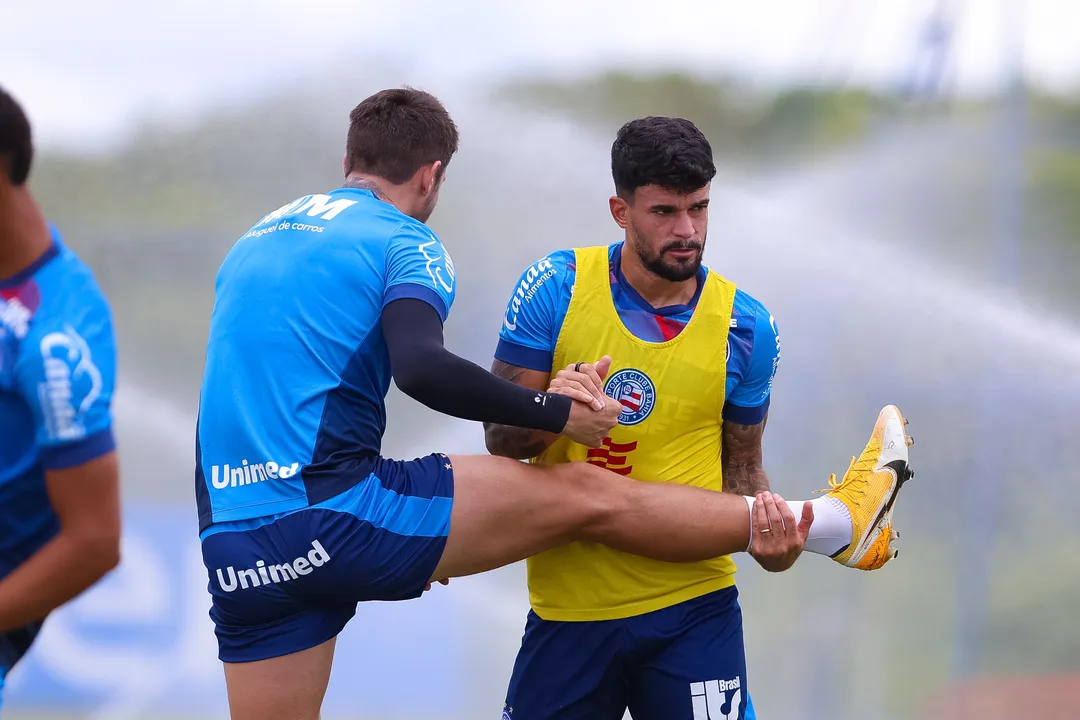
691, 358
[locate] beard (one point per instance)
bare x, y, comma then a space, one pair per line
426, 211
666, 267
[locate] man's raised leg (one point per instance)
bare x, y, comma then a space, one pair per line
505, 511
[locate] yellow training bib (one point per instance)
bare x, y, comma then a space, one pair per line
670, 431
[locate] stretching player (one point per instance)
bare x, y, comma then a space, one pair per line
59, 489
694, 361
317, 307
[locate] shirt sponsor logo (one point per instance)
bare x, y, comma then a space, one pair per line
72, 383
245, 474
439, 266
316, 206
776, 359
320, 206
262, 574
534, 278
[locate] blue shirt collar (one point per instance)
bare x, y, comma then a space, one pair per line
28, 272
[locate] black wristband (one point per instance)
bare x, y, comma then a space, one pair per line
549, 412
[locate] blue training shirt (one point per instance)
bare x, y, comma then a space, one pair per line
538, 306
292, 410
57, 376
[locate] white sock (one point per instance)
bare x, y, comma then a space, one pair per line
831, 529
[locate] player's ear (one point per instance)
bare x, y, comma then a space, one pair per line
345, 165
429, 177
620, 210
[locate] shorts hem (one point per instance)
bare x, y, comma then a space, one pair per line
254, 655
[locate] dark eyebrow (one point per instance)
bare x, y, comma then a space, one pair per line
671, 208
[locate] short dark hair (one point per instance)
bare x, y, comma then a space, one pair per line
394, 132
16, 146
665, 151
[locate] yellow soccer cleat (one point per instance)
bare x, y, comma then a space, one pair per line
869, 490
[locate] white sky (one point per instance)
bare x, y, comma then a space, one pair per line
86, 70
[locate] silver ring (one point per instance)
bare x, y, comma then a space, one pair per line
765, 530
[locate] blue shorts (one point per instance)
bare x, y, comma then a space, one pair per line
685, 662
288, 582
14, 644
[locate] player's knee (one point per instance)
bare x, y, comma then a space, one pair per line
591, 494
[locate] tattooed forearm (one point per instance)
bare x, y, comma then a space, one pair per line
741, 457
745, 479
515, 442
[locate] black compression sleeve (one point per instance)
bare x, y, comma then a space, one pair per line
429, 373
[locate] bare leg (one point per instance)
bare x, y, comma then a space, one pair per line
290, 687
505, 511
